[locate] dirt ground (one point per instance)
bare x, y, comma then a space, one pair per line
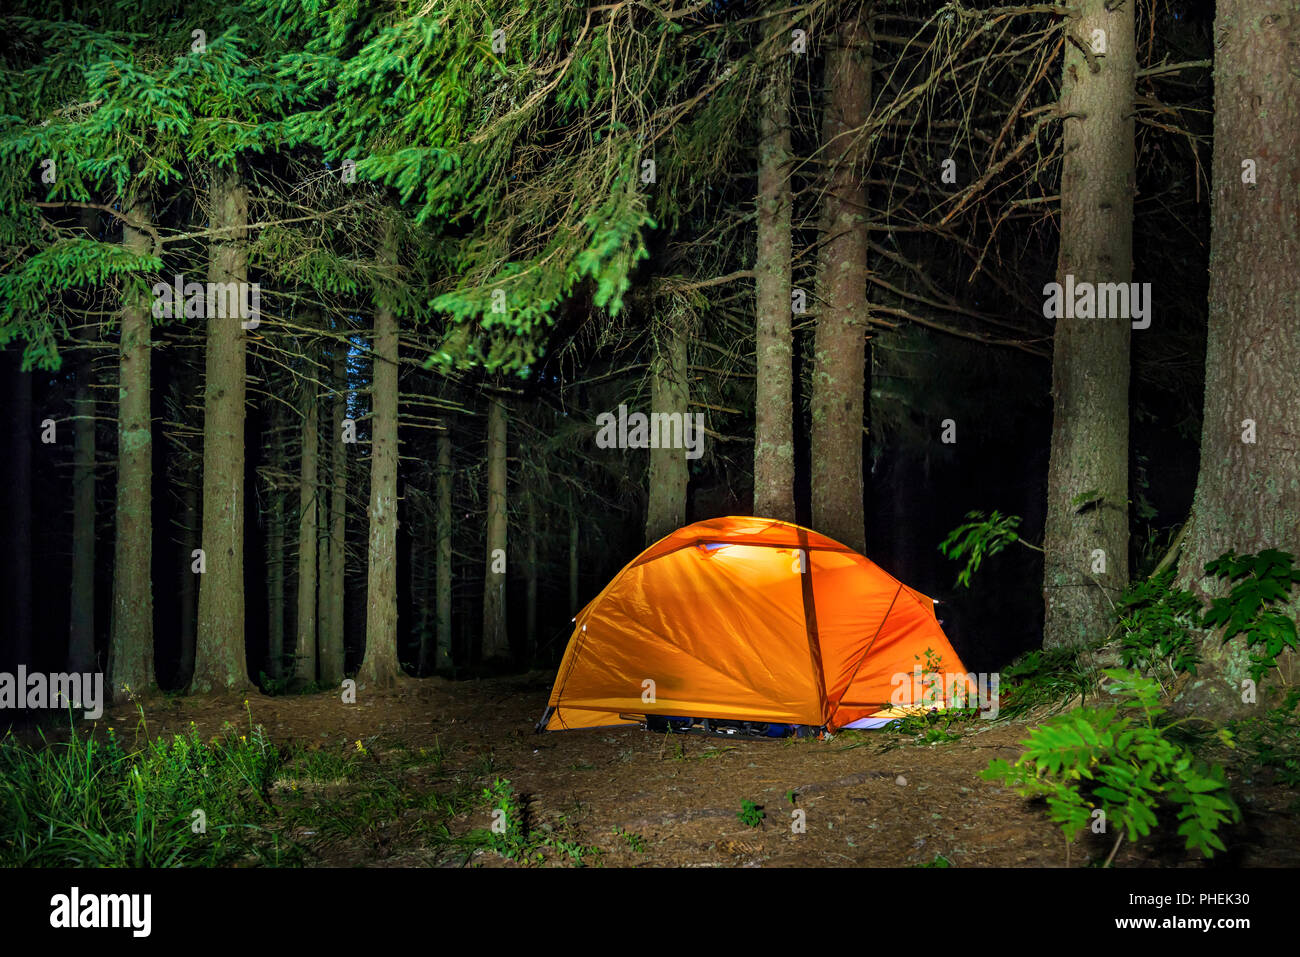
644, 799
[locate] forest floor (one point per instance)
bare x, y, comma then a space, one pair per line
629, 798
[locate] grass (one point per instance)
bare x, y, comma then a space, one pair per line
233, 799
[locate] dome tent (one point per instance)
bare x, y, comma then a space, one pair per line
752, 620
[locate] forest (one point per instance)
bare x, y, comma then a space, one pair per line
445, 433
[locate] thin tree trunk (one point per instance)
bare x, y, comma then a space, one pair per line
275, 551
444, 661
1085, 544
496, 640
332, 653
19, 613
668, 473
189, 584
81, 637
379, 666
1248, 492
573, 560
130, 657
219, 656
308, 544
840, 343
774, 389
530, 578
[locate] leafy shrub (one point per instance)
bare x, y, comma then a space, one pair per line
1049, 678
1155, 622
1253, 606
1273, 741
1125, 765
751, 814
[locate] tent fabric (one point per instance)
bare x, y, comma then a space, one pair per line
750, 619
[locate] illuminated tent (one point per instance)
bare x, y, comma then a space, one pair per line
753, 620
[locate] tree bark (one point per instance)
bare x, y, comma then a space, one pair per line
573, 560
130, 657
308, 540
840, 341
1248, 493
275, 524
219, 657
496, 638
444, 660
379, 667
332, 652
530, 577
668, 473
1090, 360
774, 387
81, 637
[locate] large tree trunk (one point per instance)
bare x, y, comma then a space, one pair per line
668, 472
444, 661
1086, 539
496, 639
331, 650
81, 637
130, 656
840, 344
379, 666
774, 388
308, 498
219, 657
1248, 492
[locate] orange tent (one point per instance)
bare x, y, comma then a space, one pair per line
752, 619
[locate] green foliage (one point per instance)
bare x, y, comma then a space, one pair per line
635, 841
938, 861
979, 538
511, 837
1122, 761
1253, 608
1049, 678
1273, 741
1155, 622
751, 814
90, 803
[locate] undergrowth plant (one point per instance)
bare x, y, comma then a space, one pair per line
1255, 606
1123, 762
1155, 622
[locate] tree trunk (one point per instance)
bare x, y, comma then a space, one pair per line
444, 661
840, 343
308, 541
19, 614
130, 657
530, 577
379, 667
81, 637
1248, 492
189, 585
1086, 538
573, 560
774, 388
496, 639
275, 551
219, 657
668, 474
332, 652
